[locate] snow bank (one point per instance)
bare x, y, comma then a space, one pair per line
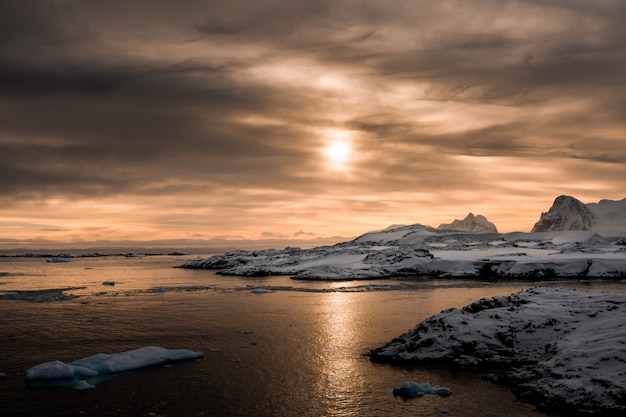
565, 349
103, 364
422, 251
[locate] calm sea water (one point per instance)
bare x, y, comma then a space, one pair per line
296, 351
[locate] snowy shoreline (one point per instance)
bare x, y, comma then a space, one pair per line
562, 349
423, 251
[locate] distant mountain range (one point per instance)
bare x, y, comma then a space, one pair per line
607, 218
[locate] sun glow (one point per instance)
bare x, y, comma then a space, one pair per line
338, 149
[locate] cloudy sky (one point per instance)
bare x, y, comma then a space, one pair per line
158, 119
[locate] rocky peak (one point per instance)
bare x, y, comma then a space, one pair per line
471, 224
566, 213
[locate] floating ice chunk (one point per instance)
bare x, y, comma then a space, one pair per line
41, 296
260, 290
133, 359
412, 389
58, 259
57, 370
50, 370
96, 366
109, 283
84, 386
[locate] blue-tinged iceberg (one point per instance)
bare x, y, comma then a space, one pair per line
103, 365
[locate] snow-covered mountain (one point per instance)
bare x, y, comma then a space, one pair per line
470, 224
610, 217
607, 217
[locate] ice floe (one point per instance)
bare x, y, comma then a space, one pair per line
423, 251
564, 349
41, 296
101, 366
412, 389
84, 386
59, 259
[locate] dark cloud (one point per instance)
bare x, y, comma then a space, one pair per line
109, 100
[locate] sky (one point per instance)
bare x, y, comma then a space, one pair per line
286, 119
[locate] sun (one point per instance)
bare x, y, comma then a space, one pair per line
338, 149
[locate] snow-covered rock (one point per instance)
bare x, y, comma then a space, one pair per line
471, 224
565, 349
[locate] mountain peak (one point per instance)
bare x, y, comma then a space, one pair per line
471, 224
567, 213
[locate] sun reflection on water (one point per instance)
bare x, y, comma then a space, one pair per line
340, 382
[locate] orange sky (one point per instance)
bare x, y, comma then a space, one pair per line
281, 119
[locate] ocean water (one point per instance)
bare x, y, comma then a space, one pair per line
298, 350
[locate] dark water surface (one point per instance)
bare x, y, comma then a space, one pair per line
290, 352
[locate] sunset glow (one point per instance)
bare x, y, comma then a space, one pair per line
259, 120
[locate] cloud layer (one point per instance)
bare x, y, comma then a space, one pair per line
159, 119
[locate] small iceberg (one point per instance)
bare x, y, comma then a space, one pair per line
58, 259
84, 386
103, 365
41, 296
260, 290
412, 389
